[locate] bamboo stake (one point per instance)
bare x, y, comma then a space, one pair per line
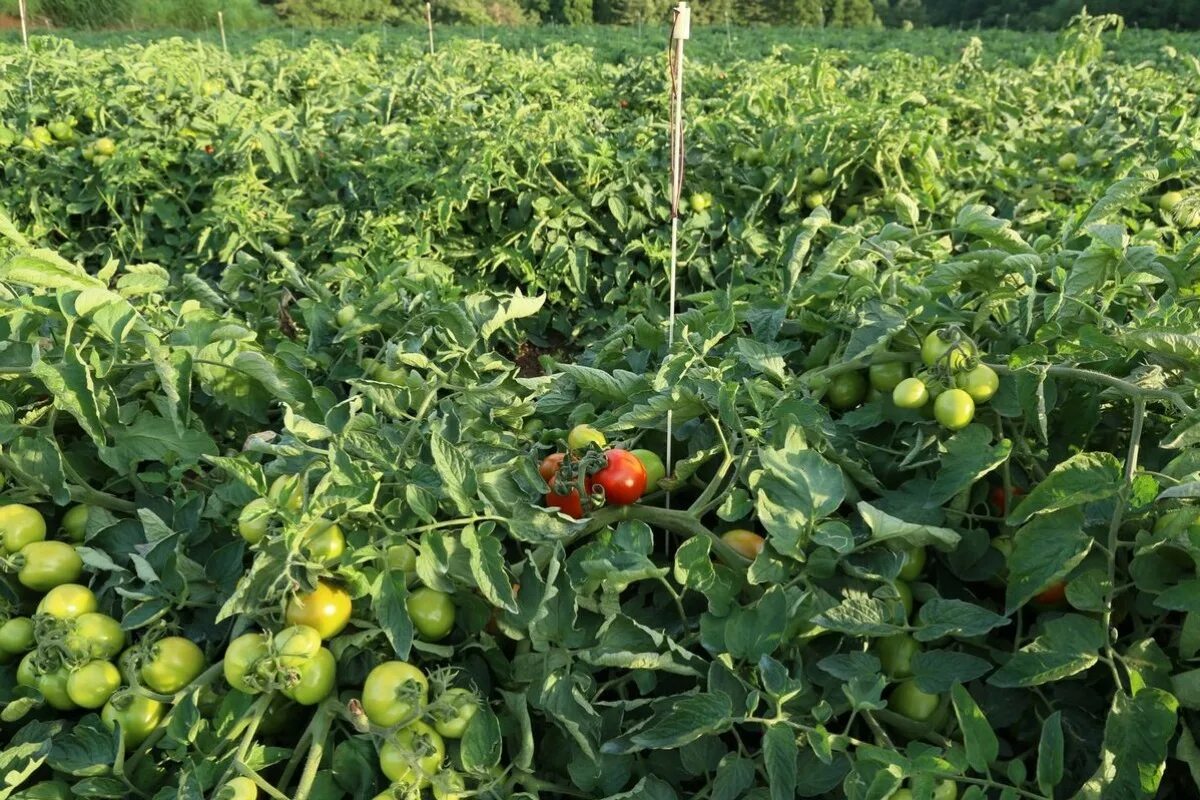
429, 23
24, 23
681, 31
221, 25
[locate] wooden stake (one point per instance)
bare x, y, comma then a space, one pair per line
221, 25
681, 31
429, 23
24, 22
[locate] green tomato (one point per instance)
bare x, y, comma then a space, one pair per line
1169, 201
935, 349
345, 315
981, 383
453, 711
174, 663
53, 686
68, 601
412, 755
583, 435
16, 636
74, 523
909, 701
906, 597
91, 685
322, 540
954, 409
818, 176
137, 716
910, 393
287, 493
49, 564
1067, 162
20, 525
326, 608
105, 146
394, 691
449, 785
896, 653
296, 645
700, 202
846, 390
97, 636
255, 519
887, 376
317, 677
27, 674
401, 558
242, 657
814, 200
914, 563
655, 469
901, 794
432, 613
239, 788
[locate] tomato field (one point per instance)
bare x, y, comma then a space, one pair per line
334, 391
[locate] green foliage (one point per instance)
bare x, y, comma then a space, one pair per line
396, 281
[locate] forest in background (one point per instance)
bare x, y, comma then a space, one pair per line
240, 14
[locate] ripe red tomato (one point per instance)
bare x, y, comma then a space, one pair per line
570, 504
623, 479
1000, 502
1052, 596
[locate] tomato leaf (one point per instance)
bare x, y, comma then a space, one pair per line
940, 617
1082, 478
1136, 736
795, 491
734, 775
969, 456
1067, 646
937, 671
982, 745
1044, 551
389, 594
884, 527
779, 754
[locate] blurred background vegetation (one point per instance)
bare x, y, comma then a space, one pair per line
244, 14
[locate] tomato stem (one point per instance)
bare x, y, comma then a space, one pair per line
316, 751
681, 522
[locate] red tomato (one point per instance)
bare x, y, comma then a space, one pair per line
623, 479
570, 504
1056, 594
549, 466
999, 501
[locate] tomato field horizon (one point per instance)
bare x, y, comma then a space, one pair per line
322, 357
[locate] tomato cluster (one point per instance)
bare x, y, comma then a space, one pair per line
613, 476
949, 388
395, 700
293, 661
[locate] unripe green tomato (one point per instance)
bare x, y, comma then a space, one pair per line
954, 409
818, 176
137, 715
105, 146
911, 702
20, 525
896, 653
74, 523
345, 315
981, 383
174, 662
413, 754
945, 790
53, 686
1169, 201
323, 541
846, 390
581, 436
317, 678
910, 393
814, 200
454, 711
91, 685
255, 519
887, 376
287, 493
937, 350
655, 469
239, 788
700, 201
401, 558
295, 645
49, 564
906, 597
96, 635
68, 601
242, 657
914, 563
16, 637
432, 613
1067, 162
